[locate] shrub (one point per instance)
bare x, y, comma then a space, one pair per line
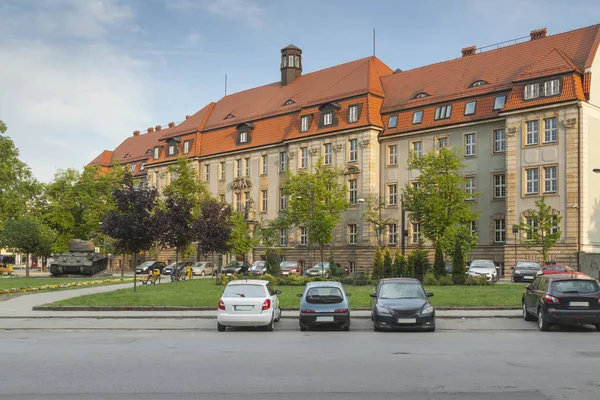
399, 264
272, 262
335, 269
293, 280
445, 280
270, 278
429, 280
477, 281
439, 265
387, 263
378, 264
222, 279
458, 265
419, 263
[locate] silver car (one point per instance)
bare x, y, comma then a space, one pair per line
203, 268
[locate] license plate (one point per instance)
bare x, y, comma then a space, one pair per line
579, 304
243, 308
528, 277
285, 273
407, 320
324, 319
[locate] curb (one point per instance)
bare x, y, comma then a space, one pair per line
178, 308
180, 317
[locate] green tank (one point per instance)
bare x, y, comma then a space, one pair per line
81, 259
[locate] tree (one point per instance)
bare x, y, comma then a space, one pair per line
378, 264
418, 263
132, 223
186, 184
28, 236
212, 229
458, 264
439, 203
541, 227
439, 264
269, 232
241, 240
372, 214
316, 201
174, 222
387, 263
399, 264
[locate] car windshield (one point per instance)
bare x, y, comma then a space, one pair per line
324, 295
146, 264
401, 290
244, 291
198, 264
482, 264
287, 264
575, 286
528, 265
258, 263
318, 266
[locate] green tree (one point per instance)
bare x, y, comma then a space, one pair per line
241, 241
372, 214
387, 263
439, 264
541, 227
399, 264
28, 236
458, 264
418, 263
269, 232
186, 184
316, 200
378, 264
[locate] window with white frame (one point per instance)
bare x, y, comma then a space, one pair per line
393, 121
392, 234
550, 179
550, 130
238, 202
238, 167
555, 225
470, 187
353, 156
416, 185
304, 157
470, 145
532, 135
532, 91
532, 227
533, 180
247, 166
417, 148
207, 172
442, 142
246, 201
393, 154
417, 117
171, 149
352, 267
304, 123
499, 230
132, 168
473, 227
291, 61
353, 191
470, 108
283, 163
243, 137
499, 102
327, 150
264, 160
443, 112
282, 199
552, 87
143, 166
222, 170
303, 236
283, 237
156, 152
186, 147
499, 186
328, 119
392, 194
499, 141
353, 114
264, 202
416, 234
352, 233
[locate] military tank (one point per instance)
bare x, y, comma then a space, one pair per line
81, 259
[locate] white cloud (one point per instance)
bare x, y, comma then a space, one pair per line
247, 11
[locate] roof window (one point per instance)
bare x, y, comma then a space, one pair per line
478, 83
417, 117
499, 102
393, 121
289, 102
470, 108
421, 95
229, 116
443, 112
127, 155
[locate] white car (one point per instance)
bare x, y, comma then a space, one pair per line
249, 302
485, 268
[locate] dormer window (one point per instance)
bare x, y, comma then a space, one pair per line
532, 91
244, 137
132, 168
328, 114
393, 121
304, 123
127, 155
186, 146
143, 166
552, 87
499, 102
421, 95
289, 102
328, 119
353, 114
172, 149
443, 112
229, 116
149, 151
244, 130
156, 153
478, 83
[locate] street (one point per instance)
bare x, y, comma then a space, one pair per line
187, 359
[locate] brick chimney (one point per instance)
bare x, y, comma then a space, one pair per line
538, 34
136, 133
188, 116
171, 124
469, 51
158, 128
150, 130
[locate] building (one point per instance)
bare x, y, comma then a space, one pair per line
525, 115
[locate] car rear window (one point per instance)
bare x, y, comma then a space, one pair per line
575, 286
247, 291
324, 295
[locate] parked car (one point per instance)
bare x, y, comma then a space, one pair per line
202, 268
401, 303
178, 265
324, 303
149, 266
562, 299
236, 267
549, 269
290, 268
248, 303
258, 268
525, 271
322, 269
485, 268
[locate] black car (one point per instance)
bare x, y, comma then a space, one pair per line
236, 267
562, 299
148, 266
525, 271
401, 303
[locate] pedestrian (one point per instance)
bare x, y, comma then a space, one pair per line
189, 272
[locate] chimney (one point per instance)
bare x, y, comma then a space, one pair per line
150, 130
188, 116
171, 124
291, 64
158, 128
538, 34
136, 133
469, 51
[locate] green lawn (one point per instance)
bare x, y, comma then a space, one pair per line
21, 282
204, 293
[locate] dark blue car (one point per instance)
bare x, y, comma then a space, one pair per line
324, 303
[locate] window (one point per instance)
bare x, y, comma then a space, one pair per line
328, 119
303, 236
283, 237
555, 226
171, 149
353, 150
282, 161
499, 186
417, 147
304, 122
282, 199
552, 87
207, 172
532, 91
416, 236
442, 142
393, 121
499, 102
416, 185
304, 157
443, 112
238, 167
469, 145
417, 117
229, 116
470, 108
550, 130
291, 61
186, 147
353, 114
532, 227
353, 191
499, 141
238, 202
222, 170
246, 201
473, 227
264, 160
499, 230
392, 195
470, 187
263, 200
352, 267
243, 137
328, 153
550, 179
289, 102
478, 83
392, 234
132, 168
352, 233
247, 163
297, 61
143, 166
533, 135
421, 95
533, 181
393, 154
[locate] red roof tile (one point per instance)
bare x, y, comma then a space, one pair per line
103, 159
191, 124
553, 63
571, 90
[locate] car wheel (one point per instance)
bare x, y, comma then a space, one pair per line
376, 328
278, 315
542, 323
269, 328
302, 327
221, 328
526, 315
203, 273
346, 327
598, 327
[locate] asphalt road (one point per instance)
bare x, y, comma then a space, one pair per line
466, 359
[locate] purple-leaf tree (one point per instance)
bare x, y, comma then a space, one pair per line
212, 229
174, 223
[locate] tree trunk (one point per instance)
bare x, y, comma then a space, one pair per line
123, 267
27, 266
322, 251
134, 274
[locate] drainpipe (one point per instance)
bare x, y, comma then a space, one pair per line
579, 106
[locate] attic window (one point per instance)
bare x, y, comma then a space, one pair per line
149, 151
421, 95
229, 116
243, 136
127, 155
289, 102
156, 152
478, 83
132, 168
143, 166
393, 121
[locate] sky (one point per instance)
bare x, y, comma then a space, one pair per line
79, 76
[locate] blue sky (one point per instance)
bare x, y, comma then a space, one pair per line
79, 76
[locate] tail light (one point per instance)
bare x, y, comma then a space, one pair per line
221, 305
298, 269
551, 299
598, 300
307, 311
341, 310
266, 304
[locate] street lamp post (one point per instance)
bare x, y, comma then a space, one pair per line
515, 230
402, 225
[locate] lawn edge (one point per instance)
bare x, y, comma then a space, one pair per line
179, 308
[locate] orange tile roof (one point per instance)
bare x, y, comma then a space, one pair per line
103, 159
163, 146
554, 63
587, 83
191, 124
572, 89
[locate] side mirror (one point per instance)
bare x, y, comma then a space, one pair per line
278, 292
299, 295
348, 294
429, 294
373, 294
